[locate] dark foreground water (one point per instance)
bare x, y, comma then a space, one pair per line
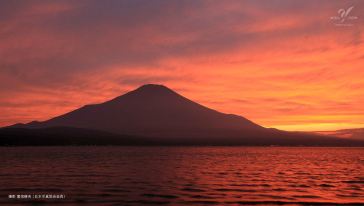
182, 175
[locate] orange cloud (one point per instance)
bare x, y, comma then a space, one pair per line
282, 64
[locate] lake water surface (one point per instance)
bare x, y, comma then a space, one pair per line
182, 175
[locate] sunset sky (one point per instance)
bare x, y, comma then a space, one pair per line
288, 64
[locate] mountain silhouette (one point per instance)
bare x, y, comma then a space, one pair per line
151, 110
155, 114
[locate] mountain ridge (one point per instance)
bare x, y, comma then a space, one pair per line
157, 115
150, 108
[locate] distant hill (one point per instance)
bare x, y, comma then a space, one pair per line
154, 114
66, 136
357, 134
63, 136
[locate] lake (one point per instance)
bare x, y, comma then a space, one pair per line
181, 175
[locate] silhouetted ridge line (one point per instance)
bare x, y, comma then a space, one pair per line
162, 116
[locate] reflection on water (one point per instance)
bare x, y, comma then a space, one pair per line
184, 175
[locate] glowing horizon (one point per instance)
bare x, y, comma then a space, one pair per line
282, 64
